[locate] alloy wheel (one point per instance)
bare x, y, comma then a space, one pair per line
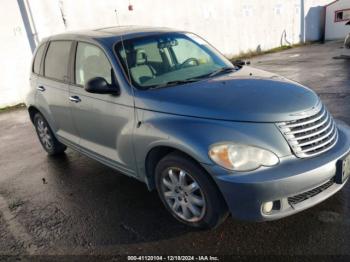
183, 194
44, 134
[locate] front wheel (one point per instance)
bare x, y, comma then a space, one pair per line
188, 193
46, 137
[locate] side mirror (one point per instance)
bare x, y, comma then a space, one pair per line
99, 85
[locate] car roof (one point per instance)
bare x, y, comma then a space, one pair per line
114, 32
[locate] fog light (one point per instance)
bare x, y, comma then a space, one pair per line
267, 207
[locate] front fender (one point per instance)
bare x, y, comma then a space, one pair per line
194, 136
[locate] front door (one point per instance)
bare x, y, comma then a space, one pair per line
103, 121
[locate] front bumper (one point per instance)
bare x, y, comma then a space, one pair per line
245, 192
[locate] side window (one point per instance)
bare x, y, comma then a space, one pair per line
57, 59
38, 58
91, 62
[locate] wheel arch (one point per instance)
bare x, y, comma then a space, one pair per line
32, 110
158, 152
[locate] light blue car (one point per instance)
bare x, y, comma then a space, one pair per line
165, 107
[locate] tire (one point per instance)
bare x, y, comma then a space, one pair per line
205, 205
46, 137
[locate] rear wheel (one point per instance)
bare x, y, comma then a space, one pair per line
188, 193
46, 137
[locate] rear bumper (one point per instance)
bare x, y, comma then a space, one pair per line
245, 192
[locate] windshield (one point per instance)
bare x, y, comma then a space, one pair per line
170, 58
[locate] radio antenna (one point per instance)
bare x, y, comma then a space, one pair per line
123, 46
127, 70
137, 121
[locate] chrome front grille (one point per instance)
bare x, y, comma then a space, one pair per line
311, 135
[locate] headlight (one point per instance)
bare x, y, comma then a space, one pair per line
241, 157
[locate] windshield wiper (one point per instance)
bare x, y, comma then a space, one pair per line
194, 79
222, 70
175, 82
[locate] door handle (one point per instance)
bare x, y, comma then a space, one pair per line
75, 99
40, 88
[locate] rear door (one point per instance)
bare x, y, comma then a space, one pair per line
104, 122
52, 86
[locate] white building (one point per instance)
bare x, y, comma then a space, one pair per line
337, 15
233, 26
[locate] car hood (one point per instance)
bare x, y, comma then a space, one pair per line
245, 95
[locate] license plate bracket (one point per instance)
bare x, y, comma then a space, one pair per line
343, 170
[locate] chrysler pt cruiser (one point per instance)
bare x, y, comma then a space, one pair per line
165, 107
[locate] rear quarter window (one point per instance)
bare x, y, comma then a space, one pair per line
37, 59
57, 60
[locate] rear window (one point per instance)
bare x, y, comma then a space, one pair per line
37, 59
57, 59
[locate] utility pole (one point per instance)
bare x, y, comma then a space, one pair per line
302, 21
28, 23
